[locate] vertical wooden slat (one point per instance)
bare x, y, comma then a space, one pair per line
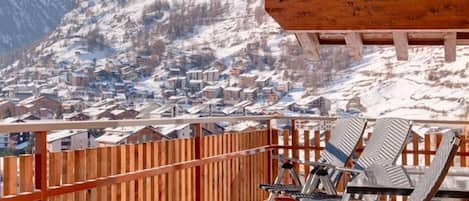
295, 139
427, 149
130, 149
80, 166
68, 174
183, 175
199, 177
26, 173
317, 145
55, 171
156, 160
306, 145
113, 169
415, 147
148, 186
140, 163
122, 168
269, 157
9, 174
225, 169
102, 167
163, 178
463, 150
92, 171
274, 165
327, 134
171, 176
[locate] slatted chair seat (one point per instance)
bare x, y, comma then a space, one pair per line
344, 139
316, 196
425, 190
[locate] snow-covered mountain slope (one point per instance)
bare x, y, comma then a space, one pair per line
199, 33
25, 21
423, 87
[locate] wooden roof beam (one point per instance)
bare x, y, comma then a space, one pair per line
354, 44
450, 47
310, 44
401, 43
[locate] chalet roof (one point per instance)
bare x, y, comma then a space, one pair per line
57, 135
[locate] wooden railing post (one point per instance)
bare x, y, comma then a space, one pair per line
40, 171
294, 139
269, 154
198, 155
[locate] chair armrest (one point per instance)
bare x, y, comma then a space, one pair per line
313, 163
350, 170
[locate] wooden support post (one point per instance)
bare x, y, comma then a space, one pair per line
401, 43
269, 155
310, 44
450, 47
354, 44
40, 159
296, 151
198, 155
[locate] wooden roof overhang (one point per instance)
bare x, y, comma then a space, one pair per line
356, 23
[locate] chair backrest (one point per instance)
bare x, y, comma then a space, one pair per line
344, 139
386, 143
436, 173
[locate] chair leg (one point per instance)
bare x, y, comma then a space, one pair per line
311, 184
295, 177
327, 185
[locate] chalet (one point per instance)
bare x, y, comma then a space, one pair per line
175, 130
210, 108
124, 114
196, 85
243, 126
247, 80
75, 105
232, 95
310, 103
249, 94
129, 135
354, 105
177, 82
79, 79
273, 96
211, 75
70, 140
7, 109
195, 75
77, 116
210, 92
15, 141
170, 110
238, 109
35, 104
284, 86
263, 81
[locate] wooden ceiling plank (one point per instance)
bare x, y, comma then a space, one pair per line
354, 44
310, 44
450, 47
401, 43
370, 15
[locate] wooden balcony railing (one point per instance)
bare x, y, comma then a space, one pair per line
227, 167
